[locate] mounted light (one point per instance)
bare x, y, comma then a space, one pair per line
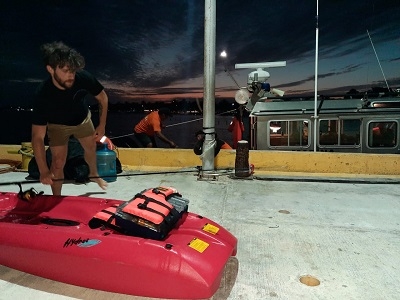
242, 96
275, 128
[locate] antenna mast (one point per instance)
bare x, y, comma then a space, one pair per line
378, 61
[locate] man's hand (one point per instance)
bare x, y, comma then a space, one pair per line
47, 178
99, 133
172, 144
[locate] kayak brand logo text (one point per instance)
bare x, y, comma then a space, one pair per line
80, 242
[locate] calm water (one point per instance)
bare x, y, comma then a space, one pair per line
16, 127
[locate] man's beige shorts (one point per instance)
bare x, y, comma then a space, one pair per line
59, 134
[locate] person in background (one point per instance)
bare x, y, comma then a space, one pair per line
236, 127
60, 109
198, 147
150, 127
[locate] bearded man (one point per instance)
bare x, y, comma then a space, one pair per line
60, 110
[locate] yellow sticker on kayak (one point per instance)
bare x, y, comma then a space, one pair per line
211, 228
198, 245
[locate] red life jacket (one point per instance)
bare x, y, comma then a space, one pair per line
150, 205
105, 217
149, 208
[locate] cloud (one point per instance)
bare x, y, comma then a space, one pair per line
152, 45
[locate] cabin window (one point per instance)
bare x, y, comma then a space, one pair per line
339, 132
288, 133
382, 134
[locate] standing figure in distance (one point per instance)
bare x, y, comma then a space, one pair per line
198, 146
236, 126
60, 109
150, 127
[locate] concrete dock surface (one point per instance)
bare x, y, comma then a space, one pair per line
297, 239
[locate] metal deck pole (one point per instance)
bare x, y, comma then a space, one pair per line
316, 83
209, 87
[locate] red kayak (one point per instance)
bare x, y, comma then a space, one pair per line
50, 236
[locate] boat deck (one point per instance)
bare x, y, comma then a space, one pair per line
343, 234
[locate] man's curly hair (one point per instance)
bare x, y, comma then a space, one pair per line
57, 54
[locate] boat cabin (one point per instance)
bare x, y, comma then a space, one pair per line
343, 125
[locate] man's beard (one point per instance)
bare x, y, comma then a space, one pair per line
67, 84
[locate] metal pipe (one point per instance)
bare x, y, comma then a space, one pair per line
316, 83
209, 85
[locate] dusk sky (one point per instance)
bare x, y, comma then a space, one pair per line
154, 49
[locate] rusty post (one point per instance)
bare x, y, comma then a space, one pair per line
242, 168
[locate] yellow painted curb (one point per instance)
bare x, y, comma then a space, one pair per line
269, 161
265, 162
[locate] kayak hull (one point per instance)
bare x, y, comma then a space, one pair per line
50, 237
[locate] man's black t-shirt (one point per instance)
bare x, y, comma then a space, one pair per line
66, 107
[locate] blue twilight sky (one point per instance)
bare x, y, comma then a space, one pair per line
154, 49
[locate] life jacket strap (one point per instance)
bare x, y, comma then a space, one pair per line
147, 200
106, 218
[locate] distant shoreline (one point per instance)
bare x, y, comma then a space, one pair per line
180, 127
